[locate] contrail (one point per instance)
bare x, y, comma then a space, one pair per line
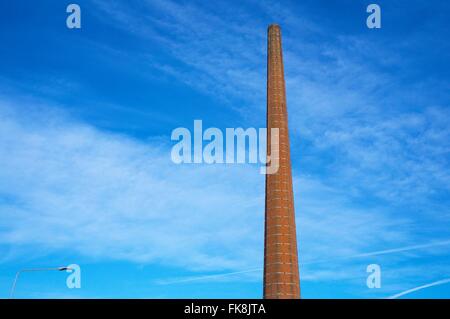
208, 276
380, 252
396, 250
373, 253
436, 283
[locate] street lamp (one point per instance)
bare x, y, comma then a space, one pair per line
13, 288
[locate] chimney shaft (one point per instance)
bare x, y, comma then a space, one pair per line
281, 275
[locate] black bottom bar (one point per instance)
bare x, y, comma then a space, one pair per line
222, 308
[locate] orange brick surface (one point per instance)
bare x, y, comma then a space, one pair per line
281, 275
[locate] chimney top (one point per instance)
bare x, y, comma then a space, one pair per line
274, 26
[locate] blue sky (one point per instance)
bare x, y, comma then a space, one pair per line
85, 123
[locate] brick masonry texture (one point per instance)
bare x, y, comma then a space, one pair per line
281, 275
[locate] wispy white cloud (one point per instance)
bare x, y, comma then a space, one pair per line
343, 96
68, 186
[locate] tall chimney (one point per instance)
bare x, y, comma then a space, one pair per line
281, 276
